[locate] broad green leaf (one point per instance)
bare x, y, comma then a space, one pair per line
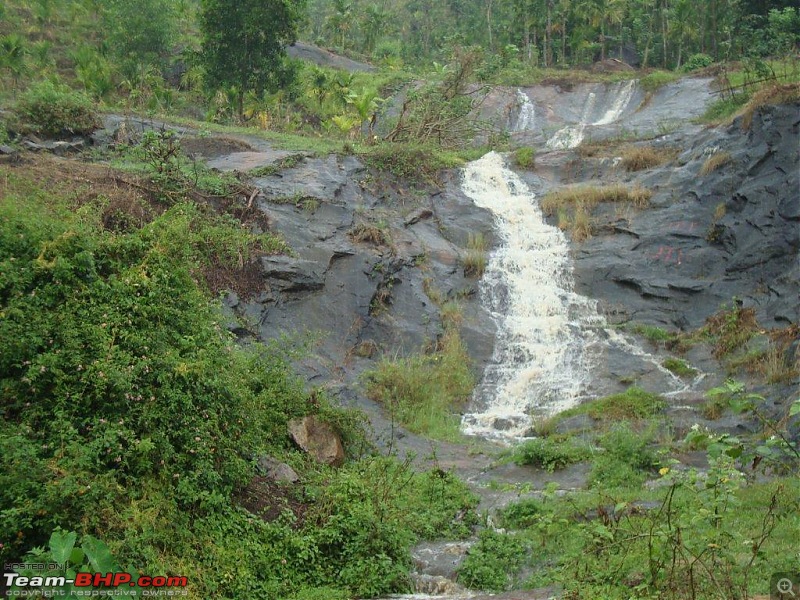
795, 409
77, 556
99, 555
61, 545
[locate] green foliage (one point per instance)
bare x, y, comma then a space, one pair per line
653, 333
523, 514
697, 61
245, 48
92, 556
140, 32
366, 517
627, 457
13, 54
424, 391
493, 563
658, 79
633, 403
724, 108
115, 369
679, 367
414, 162
525, 157
55, 110
551, 453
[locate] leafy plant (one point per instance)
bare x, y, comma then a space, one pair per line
55, 110
551, 453
493, 563
525, 157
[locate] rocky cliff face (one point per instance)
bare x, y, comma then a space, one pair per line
707, 238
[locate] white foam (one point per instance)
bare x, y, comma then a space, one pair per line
526, 117
622, 98
541, 359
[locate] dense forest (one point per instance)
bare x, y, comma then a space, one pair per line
649, 33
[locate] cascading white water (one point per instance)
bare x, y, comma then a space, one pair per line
526, 117
572, 135
545, 330
621, 101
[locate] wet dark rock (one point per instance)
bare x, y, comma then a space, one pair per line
292, 274
325, 58
418, 215
732, 232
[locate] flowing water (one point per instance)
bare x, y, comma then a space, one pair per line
549, 338
546, 331
526, 117
621, 101
572, 135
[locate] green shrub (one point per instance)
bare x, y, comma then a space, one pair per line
523, 514
525, 158
493, 563
627, 458
551, 453
697, 61
55, 110
424, 391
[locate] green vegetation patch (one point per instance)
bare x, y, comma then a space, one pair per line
552, 453
658, 79
525, 158
55, 110
633, 403
678, 366
424, 391
493, 563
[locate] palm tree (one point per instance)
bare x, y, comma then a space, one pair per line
12, 56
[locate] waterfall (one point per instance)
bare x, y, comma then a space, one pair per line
572, 135
527, 113
621, 101
545, 330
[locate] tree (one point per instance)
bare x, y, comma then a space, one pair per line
244, 44
140, 32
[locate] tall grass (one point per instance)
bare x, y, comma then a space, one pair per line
424, 391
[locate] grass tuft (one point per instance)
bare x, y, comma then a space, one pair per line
680, 367
590, 196
424, 391
638, 158
714, 162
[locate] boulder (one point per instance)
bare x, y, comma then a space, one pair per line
275, 470
318, 439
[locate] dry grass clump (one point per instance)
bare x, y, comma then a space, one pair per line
366, 233
581, 225
638, 158
774, 94
475, 259
714, 162
590, 196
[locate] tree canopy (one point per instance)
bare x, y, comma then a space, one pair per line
244, 43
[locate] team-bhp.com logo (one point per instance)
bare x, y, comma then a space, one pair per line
92, 584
